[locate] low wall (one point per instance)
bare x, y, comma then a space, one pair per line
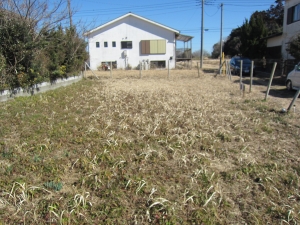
38, 88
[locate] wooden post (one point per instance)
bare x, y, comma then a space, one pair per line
224, 66
229, 70
168, 69
86, 65
242, 89
140, 69
241, 71
84, 73
294, 99
110, 69
282, 67
191, 54
198, 69
220, 68
251, 76
270, 81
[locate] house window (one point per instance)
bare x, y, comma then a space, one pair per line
158, 64
296, 15
114, 44
153, 46
105, 44
97, 44
126, 44
293, 14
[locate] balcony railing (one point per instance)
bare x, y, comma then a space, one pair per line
183, 54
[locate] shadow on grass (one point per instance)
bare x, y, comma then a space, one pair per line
259, 80
281, 93
263, 81
210, 70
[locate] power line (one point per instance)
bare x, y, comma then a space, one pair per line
212, 14
158, 7
167, 6
163, 12
151, 6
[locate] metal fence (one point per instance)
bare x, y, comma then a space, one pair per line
282, 69
289, 65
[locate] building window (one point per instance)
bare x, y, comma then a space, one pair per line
114, 44
293, 14
105, 44
158, 64
126, 44
153, 46
296, 15
97, 44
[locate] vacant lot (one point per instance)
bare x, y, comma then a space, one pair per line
125, 150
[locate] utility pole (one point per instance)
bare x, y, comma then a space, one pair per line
70, 16
202, 30
221, 41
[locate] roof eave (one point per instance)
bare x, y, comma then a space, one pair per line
183, 37
272, 36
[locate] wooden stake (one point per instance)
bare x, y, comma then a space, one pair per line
241, 71
110, 69
86, 65
168, 69
140, 69
84, 69
251, 76
294, 99
242, 88
271, 79
229, 70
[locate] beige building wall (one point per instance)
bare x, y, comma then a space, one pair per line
274, 41
291, 29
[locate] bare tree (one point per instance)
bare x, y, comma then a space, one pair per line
40, 15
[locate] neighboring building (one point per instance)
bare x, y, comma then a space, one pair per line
291, 27
291, 23
130, 40
274, 46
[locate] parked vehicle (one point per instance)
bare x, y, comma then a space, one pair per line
235, 64
293, 79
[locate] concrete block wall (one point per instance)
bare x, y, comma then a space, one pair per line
38, 88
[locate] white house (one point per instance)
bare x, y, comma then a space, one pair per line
291, 27
130, 40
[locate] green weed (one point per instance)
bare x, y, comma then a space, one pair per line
56, 186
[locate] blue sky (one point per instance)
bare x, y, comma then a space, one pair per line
184, 15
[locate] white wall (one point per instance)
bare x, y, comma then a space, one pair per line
274, 41
289, 30
129, 29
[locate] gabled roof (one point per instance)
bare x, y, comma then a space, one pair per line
133, 15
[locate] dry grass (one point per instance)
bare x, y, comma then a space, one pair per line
183, 150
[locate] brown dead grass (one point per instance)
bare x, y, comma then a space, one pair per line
181, 149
